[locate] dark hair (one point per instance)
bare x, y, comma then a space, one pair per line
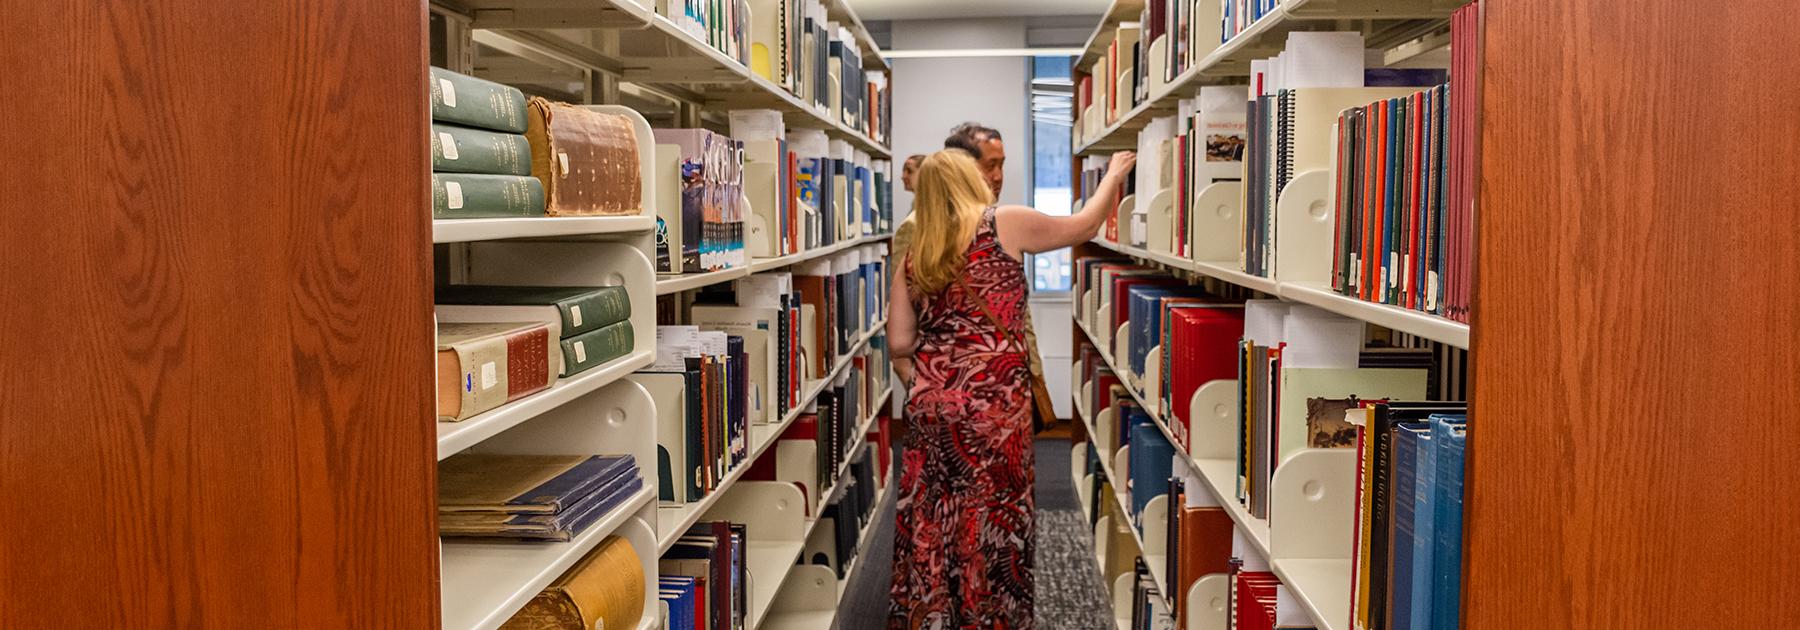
914, 158
969, 136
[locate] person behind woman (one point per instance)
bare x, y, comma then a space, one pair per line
965, 517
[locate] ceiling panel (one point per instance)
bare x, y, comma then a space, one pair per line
939, 9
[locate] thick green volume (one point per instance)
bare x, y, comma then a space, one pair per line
588, 350
470, 196
582, 309
466, 100
466, 150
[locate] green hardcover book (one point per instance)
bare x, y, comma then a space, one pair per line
588, 350
465, 150
472, 196
571, 311
466, 100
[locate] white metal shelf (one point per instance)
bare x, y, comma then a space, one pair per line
1322, 586
453, 437
1388, 316
673, 521
562, 228
769, 264
1122, 501
484, 583
677, 283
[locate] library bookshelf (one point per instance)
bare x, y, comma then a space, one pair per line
628, 58
1304, 540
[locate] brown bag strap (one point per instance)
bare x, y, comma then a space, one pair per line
981, 304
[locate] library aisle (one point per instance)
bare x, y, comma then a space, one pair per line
573, 314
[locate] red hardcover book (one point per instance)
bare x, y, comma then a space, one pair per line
1206, 343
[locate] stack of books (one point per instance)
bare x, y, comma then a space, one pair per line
706, 580
1299, 365
794, 44
1403, 197
701, 386
591, 325
723, 24
1407, 563
480, 160
530, 497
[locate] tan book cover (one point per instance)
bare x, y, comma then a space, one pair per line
587, 160
604, 590
484, 365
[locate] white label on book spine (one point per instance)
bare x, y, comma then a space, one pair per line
453, 190
1393, 263
489, 377
449, 91
1431, 281
564, 159
447, 144
575, 315
580, 352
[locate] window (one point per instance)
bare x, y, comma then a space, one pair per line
1052, 105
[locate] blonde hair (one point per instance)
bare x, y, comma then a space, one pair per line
951, 196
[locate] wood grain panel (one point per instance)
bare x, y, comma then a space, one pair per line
215, 396
1637, 323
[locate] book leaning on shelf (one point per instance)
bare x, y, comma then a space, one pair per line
586, 160
1407, 534
530, 497
482, 365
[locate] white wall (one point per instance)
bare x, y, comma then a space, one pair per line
932, 95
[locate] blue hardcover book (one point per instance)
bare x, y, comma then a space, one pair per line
524, 484
1447, 436
1424, 541
1400, 540
1145, 313
678, 593
1152, 458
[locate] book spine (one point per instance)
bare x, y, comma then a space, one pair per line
602, 307
470, 196
585, 351
464, 150
465, 100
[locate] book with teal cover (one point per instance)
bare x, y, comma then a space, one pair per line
478, 196
466, 100
587, 350
579, 309
457, 149
1448, 433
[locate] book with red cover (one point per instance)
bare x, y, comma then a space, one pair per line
1204, 339
816, 292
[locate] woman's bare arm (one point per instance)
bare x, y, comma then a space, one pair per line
902, 327
1023, 230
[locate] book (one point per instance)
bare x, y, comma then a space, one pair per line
481, 365
558, 527
677, 439
465, 100
1448, 433
587, 160
587, 350
549, 497
700, 217
457, 149
604, 590
570, 311
477, 196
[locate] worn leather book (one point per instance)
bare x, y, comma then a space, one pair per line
481, 366
477, 196
586, 160
466, 100
457, 149
603, 590
571, 310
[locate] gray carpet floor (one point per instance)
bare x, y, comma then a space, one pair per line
1069, 593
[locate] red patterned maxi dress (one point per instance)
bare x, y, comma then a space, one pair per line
965, 517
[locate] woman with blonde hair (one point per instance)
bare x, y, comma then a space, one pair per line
963, 538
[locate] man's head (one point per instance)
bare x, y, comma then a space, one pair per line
985, 145
909, 171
